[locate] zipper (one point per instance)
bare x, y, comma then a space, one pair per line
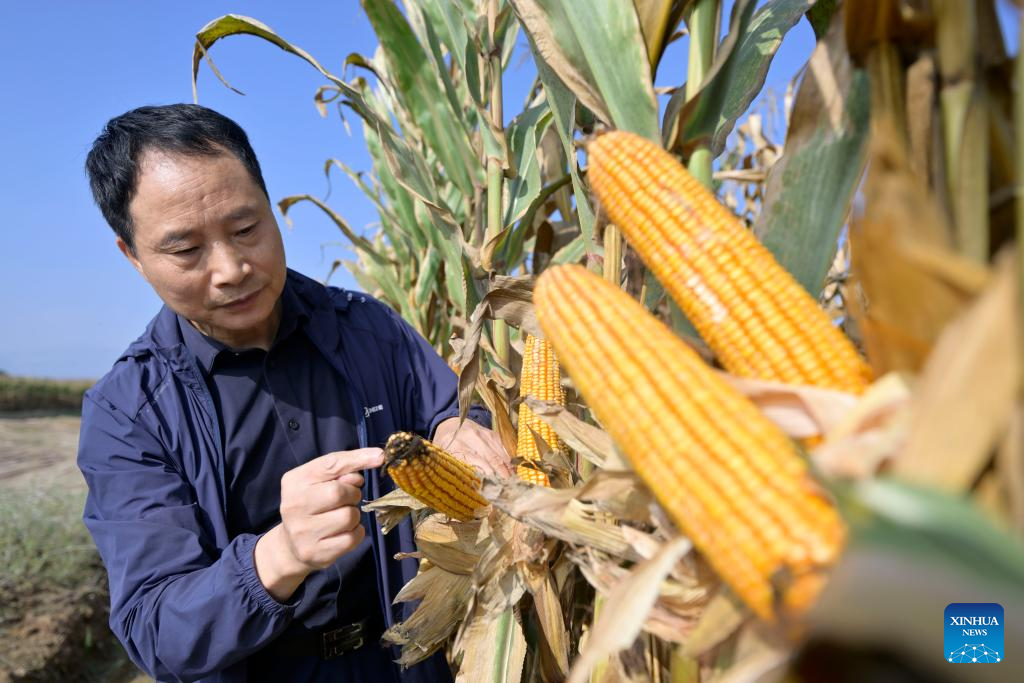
377, 544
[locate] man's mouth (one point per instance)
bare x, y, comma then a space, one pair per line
242, 302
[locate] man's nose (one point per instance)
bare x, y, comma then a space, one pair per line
228, 265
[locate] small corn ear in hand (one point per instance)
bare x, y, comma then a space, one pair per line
727, 476
433, 476
759, 321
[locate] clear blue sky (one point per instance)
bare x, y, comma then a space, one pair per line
70, 302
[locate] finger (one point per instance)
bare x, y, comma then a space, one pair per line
335, 522
352, 479
473, 459
345, 542
489, 455
502, 464
328, 550
329, 495
339, 463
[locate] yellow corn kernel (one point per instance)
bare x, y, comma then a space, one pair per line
728, 477
533, 474
541, 379
433, 476
753, 314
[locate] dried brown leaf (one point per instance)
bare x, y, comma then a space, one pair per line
965, 397
454, 546
478, 646
1010, 466
723, 615
467, 357
626, 608
498, 584
645, 545
541, 584
558, 514
494, 398
620, 493
761, 657
589, 441
511, 299
444, 599
921, 114
870, 433
678, 607
913, 281
801, 411
392, 508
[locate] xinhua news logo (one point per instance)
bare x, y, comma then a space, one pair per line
974, 633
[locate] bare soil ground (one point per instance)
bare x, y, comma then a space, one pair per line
50, 632
38, 446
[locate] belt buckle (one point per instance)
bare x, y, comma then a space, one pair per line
342, 640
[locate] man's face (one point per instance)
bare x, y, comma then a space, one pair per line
207, 242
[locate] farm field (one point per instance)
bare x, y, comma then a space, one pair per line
53, 599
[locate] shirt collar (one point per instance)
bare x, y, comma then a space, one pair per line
204, 348
294, 315
294, 312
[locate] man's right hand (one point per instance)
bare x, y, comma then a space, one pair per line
319, 519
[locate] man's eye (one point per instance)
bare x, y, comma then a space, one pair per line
246, 231
186, 252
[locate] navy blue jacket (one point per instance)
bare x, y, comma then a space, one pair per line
185, 598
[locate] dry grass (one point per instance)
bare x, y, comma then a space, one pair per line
30, 393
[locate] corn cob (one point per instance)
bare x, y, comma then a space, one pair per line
540, 379
433, 476
753, 314
530, 472
727, 476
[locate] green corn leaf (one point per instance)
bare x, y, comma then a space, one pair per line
691, 122
575, 40
562, 103
574, 251
754, 54
400, 239
235, 24
809, 189
400, 200
524, 137
357, 241
428, 268
416, 81
512, 240
448, 19
912, 551
457, 91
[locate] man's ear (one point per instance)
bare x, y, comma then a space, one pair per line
126, 250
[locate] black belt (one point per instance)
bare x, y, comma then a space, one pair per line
326, 643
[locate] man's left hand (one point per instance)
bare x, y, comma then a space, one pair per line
475, 445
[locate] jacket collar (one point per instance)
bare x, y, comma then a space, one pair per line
295, 314
163, 338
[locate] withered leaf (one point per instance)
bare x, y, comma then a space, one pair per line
626, 608
965, 396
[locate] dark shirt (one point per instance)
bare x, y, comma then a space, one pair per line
185, 598
279, 409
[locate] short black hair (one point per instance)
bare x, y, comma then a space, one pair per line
188, 129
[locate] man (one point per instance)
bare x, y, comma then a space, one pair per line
228, 449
